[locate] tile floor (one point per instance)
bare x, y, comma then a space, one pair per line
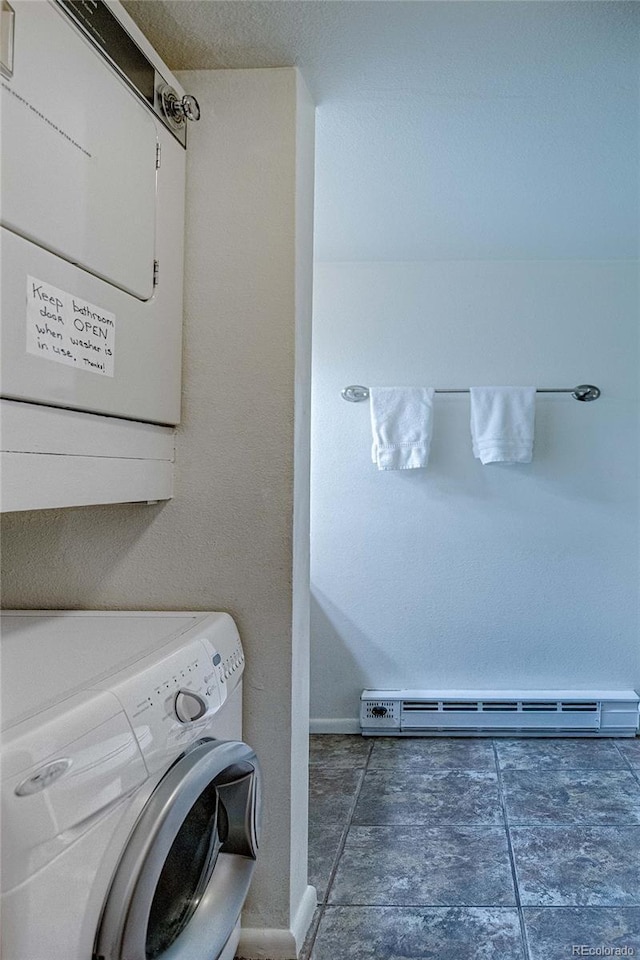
474, 849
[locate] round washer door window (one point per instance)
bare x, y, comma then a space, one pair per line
184, 875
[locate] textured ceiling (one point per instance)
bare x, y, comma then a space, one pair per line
445, 130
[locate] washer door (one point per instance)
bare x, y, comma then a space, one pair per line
183, 877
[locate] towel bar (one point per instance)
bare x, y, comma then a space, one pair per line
584, 391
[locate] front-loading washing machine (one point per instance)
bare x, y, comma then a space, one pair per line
130, 805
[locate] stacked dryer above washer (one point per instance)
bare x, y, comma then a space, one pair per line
94, 142
130, 805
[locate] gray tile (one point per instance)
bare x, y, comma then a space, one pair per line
410, 933
434, 866
439, 797
571, 796
421, 754
558, 933
558, 754
331, 794
324, 843
338, 750
577, 866
631, 750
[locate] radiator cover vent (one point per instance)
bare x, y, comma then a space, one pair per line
484, 713
382, 713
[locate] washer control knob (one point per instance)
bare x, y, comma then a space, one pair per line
189, 706
178, 109
190, 107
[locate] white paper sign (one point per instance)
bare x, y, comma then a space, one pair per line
66, 329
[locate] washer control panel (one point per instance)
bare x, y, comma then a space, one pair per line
170, 703
172, 695
227, 657
232, 664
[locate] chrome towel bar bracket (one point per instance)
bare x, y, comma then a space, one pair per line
584, 392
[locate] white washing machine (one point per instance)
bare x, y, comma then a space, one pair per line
130, 805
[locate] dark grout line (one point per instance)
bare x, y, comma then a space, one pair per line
312, 936
472, 825
433, 824
634, 773
430, 906
541, 771
309, 940
512, 859
343, 839
569, 824
581, 906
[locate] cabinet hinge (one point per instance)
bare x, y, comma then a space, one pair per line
158, 156
156, 272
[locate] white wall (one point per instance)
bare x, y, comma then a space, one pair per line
495, 130
235, 537
464, 575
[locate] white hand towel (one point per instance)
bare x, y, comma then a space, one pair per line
401, 422
502, 421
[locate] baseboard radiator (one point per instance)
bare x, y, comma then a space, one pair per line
482, 713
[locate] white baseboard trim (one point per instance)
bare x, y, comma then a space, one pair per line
304, 916
340, 725
264, 943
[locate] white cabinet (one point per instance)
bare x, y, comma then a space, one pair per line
65, 458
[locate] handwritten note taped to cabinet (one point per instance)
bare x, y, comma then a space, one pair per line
66, 329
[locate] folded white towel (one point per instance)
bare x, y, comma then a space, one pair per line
502, 421
401, 422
